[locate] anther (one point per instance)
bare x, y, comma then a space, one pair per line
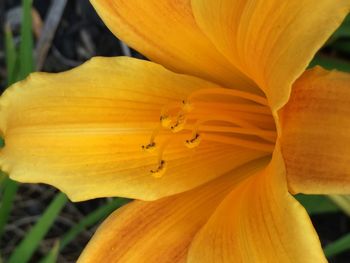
179, 125
194, 142
165, 121
149, 147
187, 106
159, 172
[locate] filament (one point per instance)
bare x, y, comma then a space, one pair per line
265, 147
151, 146
236, 121
238, 130
228, 92
240, 107
160, 171
162, 165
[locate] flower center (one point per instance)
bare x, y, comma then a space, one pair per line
220, 115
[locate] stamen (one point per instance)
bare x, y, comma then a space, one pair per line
253, 120
179, 124
238, 130
194, 142
266, 147
160, 171
187, 106
149, 147
236, 121
240, 107
165, 121
229, 92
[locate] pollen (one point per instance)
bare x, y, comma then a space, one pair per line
179, 124
149, 147
194, 142
160, 171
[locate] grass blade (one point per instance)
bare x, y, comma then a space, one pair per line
317, 204
25, 67
343, 31
51, 257
342, 46
96, 216
91, 219
330, 63
11, 56
338, 246
342, 201
29, 244
3, 179
9, 194
3, 176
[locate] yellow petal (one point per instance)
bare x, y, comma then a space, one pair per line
316, 133
271, 41
259, 221
82, 131
161, 231
166, 32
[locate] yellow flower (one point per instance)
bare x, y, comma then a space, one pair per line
214, 143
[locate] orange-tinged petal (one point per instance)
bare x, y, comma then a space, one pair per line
162, 230
271, 41
316, 133
165, 31
259, 221
82, 131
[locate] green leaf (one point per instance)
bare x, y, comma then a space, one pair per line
330, 63
3, 179
342, 201
338, 246
317, 204
29, 244
9, 194
11, 56
25, 67
342, 46
342, 31
96, 216
26, 46
51, 257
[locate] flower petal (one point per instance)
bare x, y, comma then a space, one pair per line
82, 131
316, 133
166, 32
259, 221
271, 41
161, 231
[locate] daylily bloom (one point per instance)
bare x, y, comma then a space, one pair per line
212, 141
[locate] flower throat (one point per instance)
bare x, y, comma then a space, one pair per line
219, 115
